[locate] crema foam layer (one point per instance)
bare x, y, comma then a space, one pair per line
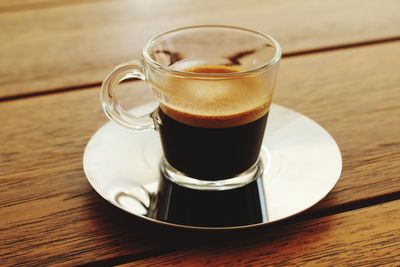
217, 102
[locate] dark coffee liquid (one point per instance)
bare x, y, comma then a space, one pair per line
211, 153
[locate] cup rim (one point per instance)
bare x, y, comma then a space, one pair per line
275, 59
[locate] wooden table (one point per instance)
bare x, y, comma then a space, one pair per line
341, 67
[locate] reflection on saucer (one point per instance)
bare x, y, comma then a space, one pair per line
235, 207
136, 199
132, 203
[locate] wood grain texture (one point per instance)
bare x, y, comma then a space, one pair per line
77, 44
20, 5
50, 214
365, 237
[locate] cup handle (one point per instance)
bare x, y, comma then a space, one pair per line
127, 70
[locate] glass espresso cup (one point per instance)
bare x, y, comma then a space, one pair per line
214, 85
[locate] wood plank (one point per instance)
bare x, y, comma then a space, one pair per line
365, 237
50, 213
70, 45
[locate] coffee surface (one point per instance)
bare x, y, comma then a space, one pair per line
215, 101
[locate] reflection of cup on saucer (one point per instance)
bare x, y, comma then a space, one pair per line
240, 206
214, 85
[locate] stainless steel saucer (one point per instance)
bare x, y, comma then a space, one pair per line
302, 163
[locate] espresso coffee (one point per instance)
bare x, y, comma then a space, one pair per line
213, 130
